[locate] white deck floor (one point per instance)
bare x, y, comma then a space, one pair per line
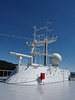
56, 91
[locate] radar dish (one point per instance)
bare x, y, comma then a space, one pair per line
55, 59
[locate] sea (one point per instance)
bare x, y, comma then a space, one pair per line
54, 91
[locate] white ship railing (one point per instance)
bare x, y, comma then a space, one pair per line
5, 74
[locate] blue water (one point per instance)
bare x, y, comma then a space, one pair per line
55, 91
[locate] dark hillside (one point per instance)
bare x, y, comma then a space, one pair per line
7, 65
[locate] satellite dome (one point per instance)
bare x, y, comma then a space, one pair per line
55, 59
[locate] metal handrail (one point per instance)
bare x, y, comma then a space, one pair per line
3, 74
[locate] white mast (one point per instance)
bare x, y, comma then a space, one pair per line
37, 42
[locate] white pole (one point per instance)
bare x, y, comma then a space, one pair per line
19, 63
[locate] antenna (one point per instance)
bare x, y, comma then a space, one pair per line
35, 30
34, 33
47, 27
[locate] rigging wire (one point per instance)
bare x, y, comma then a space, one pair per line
19, 37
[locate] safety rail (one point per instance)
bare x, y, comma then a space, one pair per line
5, 73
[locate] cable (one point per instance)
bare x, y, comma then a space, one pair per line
14, 36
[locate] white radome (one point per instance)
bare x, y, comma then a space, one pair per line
55, 59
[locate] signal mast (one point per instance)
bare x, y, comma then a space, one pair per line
37, 42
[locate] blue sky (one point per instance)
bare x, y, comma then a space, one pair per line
17, 17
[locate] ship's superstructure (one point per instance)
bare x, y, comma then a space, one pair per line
33, 73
